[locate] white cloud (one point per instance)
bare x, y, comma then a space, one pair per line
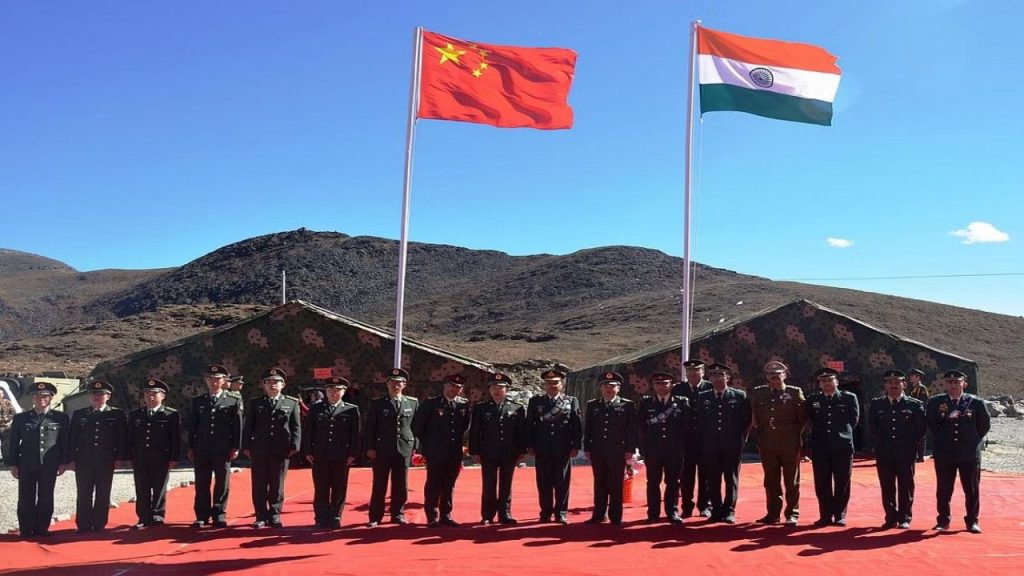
980, 232
839, 242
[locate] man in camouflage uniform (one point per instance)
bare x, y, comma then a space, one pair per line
440, 424
497, 441
154, 446
331, 445
833, 415
609, 442
554, 434
99, 443
917, 390
723, 422
897, 423
214, 439
36, 453
780, 416
664, 425
272, 434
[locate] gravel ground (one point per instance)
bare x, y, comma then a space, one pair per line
1005, 453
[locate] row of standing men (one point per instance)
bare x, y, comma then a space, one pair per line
690, 435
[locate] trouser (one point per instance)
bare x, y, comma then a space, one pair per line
781, 470
497, 487
395, 468
663, 468
719, 466
268, 474
921, 446
832, 470
693, 473
93, 480
609, 474
554, 473
218, 469
150, 490
970, 480
35, 499
896, 480
330, 485
439, 489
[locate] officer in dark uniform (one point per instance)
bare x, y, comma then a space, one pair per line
691, 472
833, 414
272, 434
959, 422
389, 445
154, 446
609, 441
497, 441
36, 452
331, 445
440, 423
780, 416
214, 439
897, 423
723, 422
99, 442
664, 425
554, 433
917, 390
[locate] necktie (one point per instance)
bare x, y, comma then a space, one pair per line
397, 403
894, 402
719, 394
451, 404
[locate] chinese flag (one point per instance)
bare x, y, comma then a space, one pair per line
504, 86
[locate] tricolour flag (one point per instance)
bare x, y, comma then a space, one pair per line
770, 78
504, 86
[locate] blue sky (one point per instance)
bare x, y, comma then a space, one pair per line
145, 134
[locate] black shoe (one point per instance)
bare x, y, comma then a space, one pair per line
562, 520
433, 524
594, 520
940, 527
652, 519
43, 534
768, 520
675, 519
447, 521
791, 521
259, 524
544, 519
509, 521
706, 513
730, 519
973, 528
220, 523
198, 524
276, 524
840, 522
334, 524
905, 525
687, 511
82, 531
822, 522
486, 521
26, 534
139, 526
617, 521
373, 523
400, 520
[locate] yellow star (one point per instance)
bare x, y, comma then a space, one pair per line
483, 65
477, 73
449, 53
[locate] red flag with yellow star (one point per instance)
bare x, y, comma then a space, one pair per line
504, 86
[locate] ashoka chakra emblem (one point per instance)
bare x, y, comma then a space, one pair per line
763, 77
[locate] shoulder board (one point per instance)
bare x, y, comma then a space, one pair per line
290, 397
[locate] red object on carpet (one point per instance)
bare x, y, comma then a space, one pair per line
698, 548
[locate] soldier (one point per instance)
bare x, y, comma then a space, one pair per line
780, 417
554, 435
36, 452
664, 423
214, 439
691, 472
723, 422
233, 387
272, 434
440, 423
918, 391
497, 441
154, 446
897, 423
958, 422
331, 446
609, 442
99, 442
390, 444
235, 384
833, 415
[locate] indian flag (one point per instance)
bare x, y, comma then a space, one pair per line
770, 78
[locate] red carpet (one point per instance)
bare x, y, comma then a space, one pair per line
744, 549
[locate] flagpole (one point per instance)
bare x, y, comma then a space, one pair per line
687, 274
403, 246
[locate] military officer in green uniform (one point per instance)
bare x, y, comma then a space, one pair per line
780, 416
440, 423
663, 428
154, 446
691, 475
390, 444
897, 423
917, 390
958, 422
723, 422
35, 454
214, 439
99, 443
833, 414
554, 433
497, 441
331, 445
609, 442
272, 434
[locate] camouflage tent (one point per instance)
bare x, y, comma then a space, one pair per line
297, 337
804, 335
